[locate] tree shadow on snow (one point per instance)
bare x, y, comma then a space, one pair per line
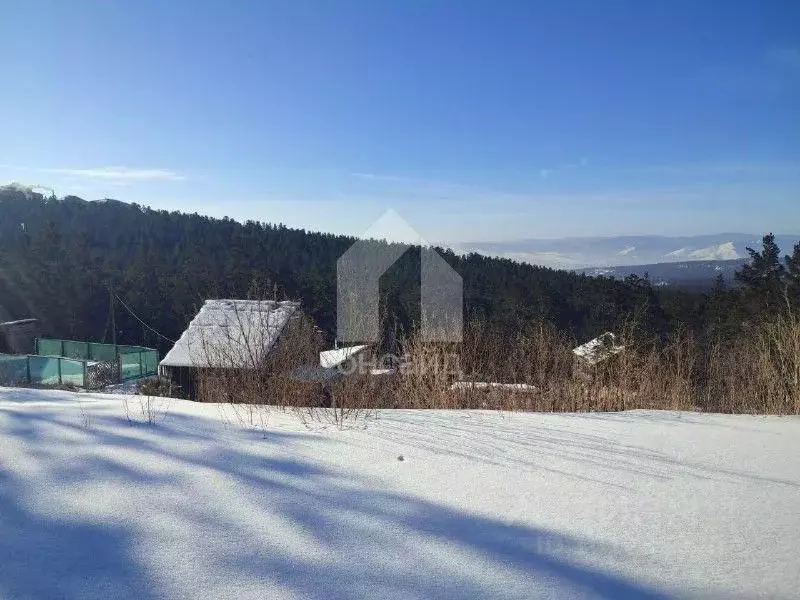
362, 541
47, 557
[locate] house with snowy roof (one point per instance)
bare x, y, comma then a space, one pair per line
596, 351
227, 334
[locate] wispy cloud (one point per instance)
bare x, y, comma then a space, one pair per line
381, 177
546, 172
122, 175
437, 186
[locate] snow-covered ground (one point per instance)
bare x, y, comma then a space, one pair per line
483, 505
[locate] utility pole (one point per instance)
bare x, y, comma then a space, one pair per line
113, 316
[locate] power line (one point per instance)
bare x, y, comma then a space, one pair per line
126, 307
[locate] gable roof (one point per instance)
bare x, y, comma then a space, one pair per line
598, 349
333, 358
231, 334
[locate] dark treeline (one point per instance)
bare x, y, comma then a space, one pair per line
59, 257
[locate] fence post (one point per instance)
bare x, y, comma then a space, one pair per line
141, 370
88, 351
59, 367
84, 376
28, 366
59, 364
35, 347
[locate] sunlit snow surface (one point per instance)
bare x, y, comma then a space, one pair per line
637, 504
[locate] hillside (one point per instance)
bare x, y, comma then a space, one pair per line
694, 274
58, 257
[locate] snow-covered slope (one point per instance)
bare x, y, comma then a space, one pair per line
724, 251
483, 505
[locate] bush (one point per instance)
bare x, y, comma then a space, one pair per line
757, 371
157, 386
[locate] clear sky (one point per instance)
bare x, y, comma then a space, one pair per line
491, 120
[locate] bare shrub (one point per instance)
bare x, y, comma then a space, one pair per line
156, 386
86, 418
151, 409
778, 343
425, 375
531, 368
127, 410
529, 360
759, 372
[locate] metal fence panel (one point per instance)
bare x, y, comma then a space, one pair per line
48, 347
13, 369
44, 370
150, 362
130, 366
72, 372
102, 352
77, 350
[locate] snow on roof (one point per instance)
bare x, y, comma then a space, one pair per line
230, 333
598, 349
333, 358
18, 322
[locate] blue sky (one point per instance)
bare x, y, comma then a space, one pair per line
473, 120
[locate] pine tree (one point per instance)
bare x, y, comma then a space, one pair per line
793, 276
764, 276
721, 314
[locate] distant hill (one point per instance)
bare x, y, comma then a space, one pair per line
58, 257
694, 274
621, 251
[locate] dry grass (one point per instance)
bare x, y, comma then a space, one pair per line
757, 373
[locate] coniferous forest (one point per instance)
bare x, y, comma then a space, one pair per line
60, 260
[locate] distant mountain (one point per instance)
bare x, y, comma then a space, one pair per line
621, 251
692, 274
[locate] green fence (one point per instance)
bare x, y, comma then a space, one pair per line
96, 351
13, 369
83, 364
44, 370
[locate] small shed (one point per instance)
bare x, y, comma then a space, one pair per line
227, 334
330, 359
597, 351
19, 337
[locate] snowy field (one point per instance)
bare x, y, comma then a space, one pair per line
483, 505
